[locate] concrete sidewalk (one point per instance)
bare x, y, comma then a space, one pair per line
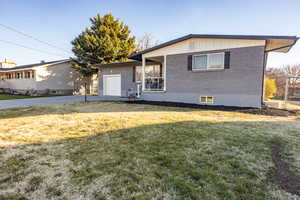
19, 103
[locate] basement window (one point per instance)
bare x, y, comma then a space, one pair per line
206, 99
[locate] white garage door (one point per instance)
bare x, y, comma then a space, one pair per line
112, 85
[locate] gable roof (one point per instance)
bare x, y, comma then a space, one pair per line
30, 66
137, 56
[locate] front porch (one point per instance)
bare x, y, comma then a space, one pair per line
154, 75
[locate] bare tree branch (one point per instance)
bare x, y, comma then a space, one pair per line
292, 71
146, 41
280, 75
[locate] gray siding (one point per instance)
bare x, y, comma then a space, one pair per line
126, 78
241, 85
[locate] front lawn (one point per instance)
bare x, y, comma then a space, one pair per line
117, 151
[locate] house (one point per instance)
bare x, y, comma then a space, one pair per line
280, 78
7, 64
294, 91
55, 78
199, 69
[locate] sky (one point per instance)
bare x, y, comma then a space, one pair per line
59, 21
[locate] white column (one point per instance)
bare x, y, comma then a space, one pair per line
165, 72
286, 91
143, 72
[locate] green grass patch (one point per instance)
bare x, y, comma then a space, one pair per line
53, 192
13, 197
120, 151
202, 161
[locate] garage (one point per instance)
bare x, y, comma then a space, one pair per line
112, 85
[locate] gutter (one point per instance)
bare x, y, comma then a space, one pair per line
283, 47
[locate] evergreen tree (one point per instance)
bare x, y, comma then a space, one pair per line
107, 40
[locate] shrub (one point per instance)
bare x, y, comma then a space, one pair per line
270, 88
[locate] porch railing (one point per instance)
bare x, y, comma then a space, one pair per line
154, 83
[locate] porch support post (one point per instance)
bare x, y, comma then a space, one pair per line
286, 91
165, 72
143, 72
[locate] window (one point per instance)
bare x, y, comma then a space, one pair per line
209, 99
153, 71
150, 71
200, 62
153, 78
203, 99
138, 73
208, 61
27, 74
206, 99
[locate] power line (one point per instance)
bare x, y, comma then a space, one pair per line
36, 39
32, 37
30, 48
40, 51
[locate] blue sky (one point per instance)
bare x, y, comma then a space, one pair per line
59, 21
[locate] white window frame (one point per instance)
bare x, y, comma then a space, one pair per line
141, 74
206, 102
208, 67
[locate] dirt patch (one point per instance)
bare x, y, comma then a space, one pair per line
263, 111
283, 176
272, 112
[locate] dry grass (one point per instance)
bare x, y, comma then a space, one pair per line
122, 151
290, 105
293, 106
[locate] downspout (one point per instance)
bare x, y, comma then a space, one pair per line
263, 78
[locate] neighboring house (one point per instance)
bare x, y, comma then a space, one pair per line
55, 77
280, 79
294, 91
7, 64
200, 69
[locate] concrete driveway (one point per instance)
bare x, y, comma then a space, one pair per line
18, 103
295, 102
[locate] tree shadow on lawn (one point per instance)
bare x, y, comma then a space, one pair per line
95, 107
107, 107
183, 160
